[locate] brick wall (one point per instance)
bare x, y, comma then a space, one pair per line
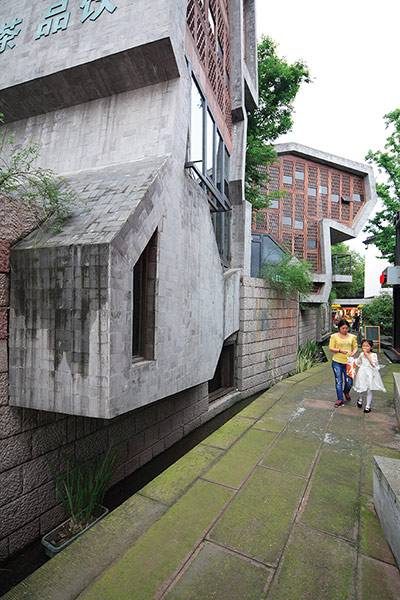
267, 344
35, 445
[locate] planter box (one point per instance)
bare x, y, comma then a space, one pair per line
52, 549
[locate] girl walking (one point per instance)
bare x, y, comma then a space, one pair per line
367, 378
343, 345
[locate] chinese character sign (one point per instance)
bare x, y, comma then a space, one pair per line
92, 9
8, 32
57, 19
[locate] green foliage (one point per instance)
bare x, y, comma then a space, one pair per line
279, 83
307, 356
380, 312
36, 186
82, 487
355, 289
381, 226
290, 276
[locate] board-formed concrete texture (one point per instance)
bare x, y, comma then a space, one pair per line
387, 499
107, 99
82, 55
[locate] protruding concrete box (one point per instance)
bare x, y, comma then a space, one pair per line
387, 500
396, 381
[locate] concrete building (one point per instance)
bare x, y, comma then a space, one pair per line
122, 329
326, 199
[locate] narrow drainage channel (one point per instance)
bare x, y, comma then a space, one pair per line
20, 566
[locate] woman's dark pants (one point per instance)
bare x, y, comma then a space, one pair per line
339, 370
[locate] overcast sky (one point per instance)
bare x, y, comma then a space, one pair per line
352, 48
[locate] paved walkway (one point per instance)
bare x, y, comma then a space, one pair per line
274, 505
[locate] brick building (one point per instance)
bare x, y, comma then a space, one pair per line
324, 199
121, 330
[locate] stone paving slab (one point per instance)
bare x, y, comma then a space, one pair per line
378, 581
257, 408
266, 423
71, 571
241, 458
218, 574
315, 567
143, 570
173, 482
258, 520
372, 539
226, 435
292, 453
340, 466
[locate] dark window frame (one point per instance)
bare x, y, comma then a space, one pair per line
224, 378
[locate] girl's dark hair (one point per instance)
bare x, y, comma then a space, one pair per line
343, 322
370, 342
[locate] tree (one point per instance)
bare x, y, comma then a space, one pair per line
380, 312
279, 83
37, 187
355, 289
290, 276
388, 162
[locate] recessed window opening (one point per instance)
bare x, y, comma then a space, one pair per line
299, 175
312, 191
143, 302
335, 197
298, 224
323, 190
358, 197
287, 221
288, 179
311, 244
211, 21
224, 378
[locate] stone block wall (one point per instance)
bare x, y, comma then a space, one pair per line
268, 338
308, 324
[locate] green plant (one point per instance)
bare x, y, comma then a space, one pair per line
36, 186
290, 276
279, 83
380, 312
381, 226
355, 289
82, 487
307, 355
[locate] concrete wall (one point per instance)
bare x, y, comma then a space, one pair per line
396, 382
308, 324
387, 500
267, 343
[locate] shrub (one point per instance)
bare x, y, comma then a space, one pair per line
290, 276
307, 355
380, 312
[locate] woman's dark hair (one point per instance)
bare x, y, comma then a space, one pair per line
370, 342
343, 322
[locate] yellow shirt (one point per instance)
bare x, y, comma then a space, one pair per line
349, 343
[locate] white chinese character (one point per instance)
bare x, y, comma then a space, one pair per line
57, 19
8, 33
92, 9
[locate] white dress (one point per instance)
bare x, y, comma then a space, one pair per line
368, 377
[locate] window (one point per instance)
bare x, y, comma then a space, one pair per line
312, 192
197, 127
287, 221
311, 244
222, 227
288, 179
210, 160
143, 302
220, 50
358, 197
220, 161
224, 377
299, 175
227, 166
298, 224
323, 190
274, 203
346, 198
335, 197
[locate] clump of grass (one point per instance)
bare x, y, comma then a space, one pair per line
307, 356
82, 488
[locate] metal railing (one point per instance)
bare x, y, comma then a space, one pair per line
342, 264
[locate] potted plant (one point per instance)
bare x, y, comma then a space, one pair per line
81, 490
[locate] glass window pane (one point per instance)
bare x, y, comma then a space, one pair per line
312, 191
211, 21
298, 224
335, 197
274, 203
220, 159
311, 244
287, 221
358, 197
299, 175
288, 179
226, 173
323, 189
196, 127
210, 146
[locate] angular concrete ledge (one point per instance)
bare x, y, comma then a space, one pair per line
396, 381
387, 500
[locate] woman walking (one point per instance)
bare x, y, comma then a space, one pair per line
343, 345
